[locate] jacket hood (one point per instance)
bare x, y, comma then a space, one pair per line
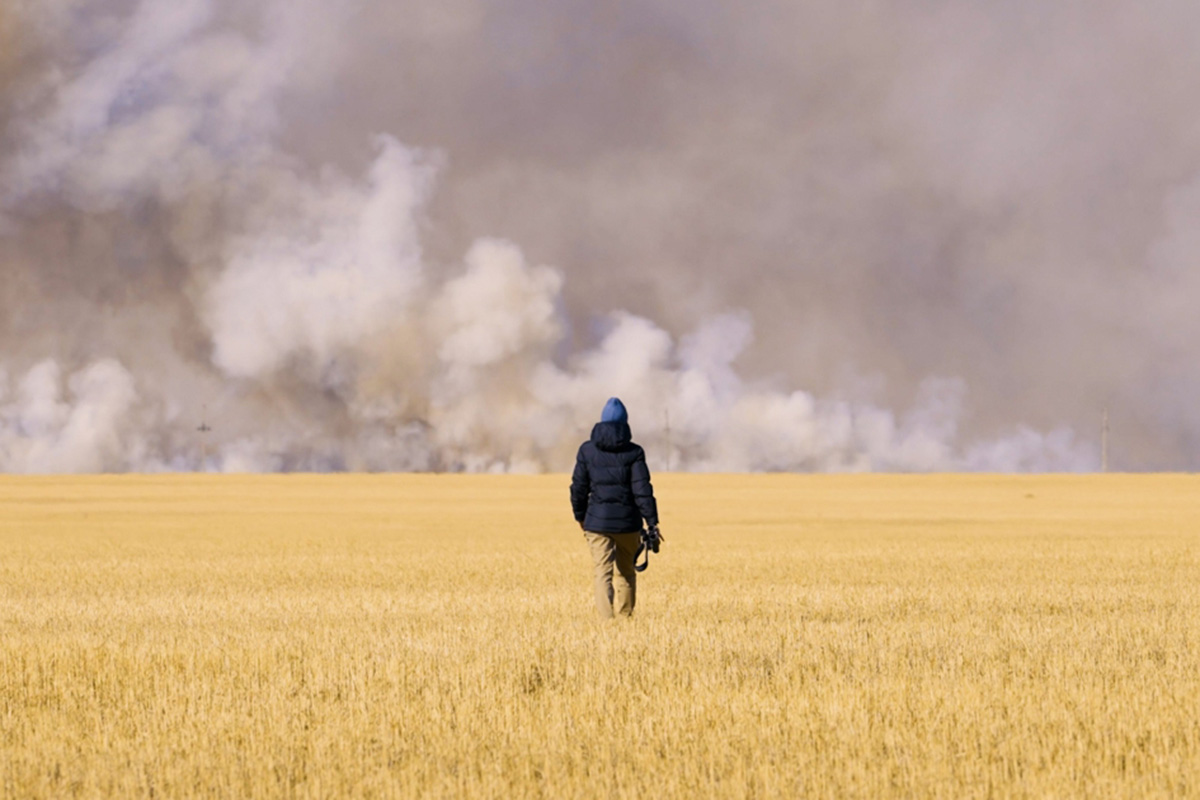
611, 436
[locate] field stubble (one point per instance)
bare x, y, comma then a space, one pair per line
396, 636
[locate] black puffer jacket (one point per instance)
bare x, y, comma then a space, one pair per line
610, 490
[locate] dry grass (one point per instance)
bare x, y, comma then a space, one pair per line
433, 636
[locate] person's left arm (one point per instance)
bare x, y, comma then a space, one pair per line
581, 488
643, 490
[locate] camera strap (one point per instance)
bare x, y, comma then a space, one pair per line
643, 548
645, 561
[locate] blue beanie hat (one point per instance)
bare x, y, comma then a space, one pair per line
614, 411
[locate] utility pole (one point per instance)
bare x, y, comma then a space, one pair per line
204, 430
667, 422
1104, 441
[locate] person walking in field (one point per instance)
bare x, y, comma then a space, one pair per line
611, 494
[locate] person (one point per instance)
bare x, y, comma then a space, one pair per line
611, 494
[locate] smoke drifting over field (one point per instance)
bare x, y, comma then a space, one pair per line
913, 236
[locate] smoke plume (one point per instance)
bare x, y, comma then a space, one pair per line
413, 236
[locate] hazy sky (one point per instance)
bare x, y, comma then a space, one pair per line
831, 235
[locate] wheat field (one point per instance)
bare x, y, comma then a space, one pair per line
434, 636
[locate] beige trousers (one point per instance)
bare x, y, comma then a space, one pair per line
614, 592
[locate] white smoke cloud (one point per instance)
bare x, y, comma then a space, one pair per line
170, 100
86, 425
492, 327
336, 344
1027, 450
324, 279
499, 308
